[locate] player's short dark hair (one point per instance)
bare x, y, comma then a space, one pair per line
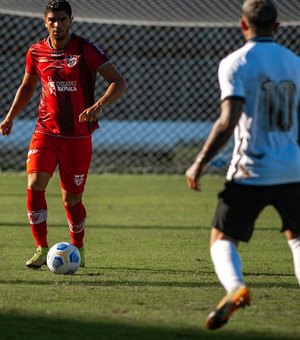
260, 12
58, 5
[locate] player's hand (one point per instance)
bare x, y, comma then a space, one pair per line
193, 174
91, 114
6, 127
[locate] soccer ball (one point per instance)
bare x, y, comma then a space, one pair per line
63, 258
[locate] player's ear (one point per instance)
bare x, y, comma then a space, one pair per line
244, 26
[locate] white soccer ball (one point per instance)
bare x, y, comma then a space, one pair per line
63, 258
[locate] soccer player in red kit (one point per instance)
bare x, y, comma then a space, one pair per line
67, 66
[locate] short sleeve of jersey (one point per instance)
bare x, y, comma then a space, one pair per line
230, 79
95, 56
30, 66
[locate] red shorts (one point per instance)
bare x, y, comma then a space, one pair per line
71, 155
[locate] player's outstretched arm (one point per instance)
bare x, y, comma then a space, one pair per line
22, 98
117, 87
219, 135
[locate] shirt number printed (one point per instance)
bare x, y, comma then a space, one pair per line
279, 104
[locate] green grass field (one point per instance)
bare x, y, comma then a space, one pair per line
148, 273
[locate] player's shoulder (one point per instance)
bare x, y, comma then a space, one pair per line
287, 57
86, 43
42, 43
290, 53
237, 55
233, 61
79, 39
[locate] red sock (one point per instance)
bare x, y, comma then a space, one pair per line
37, 215
76, 218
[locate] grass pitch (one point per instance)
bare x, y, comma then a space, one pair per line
148, 273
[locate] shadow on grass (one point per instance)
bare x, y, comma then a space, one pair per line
114, 226
129, 227
136, 284
18, 327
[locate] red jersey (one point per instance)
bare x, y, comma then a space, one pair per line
68, 79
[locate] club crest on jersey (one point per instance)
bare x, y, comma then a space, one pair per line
72, 60
78, 179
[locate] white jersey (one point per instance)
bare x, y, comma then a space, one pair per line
266, 76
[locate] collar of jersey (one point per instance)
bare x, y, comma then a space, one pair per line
265, 38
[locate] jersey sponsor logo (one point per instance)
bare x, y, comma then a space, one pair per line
51, 86
61, 86
69, 86
58, 54
78, 179
72, 60
43, 60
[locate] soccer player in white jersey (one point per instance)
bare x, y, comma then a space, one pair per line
260, 101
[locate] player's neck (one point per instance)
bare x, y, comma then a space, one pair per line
59, 44
253, 35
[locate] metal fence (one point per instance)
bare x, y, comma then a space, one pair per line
173, 95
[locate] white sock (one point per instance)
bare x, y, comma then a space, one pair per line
295, 248
227, 263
